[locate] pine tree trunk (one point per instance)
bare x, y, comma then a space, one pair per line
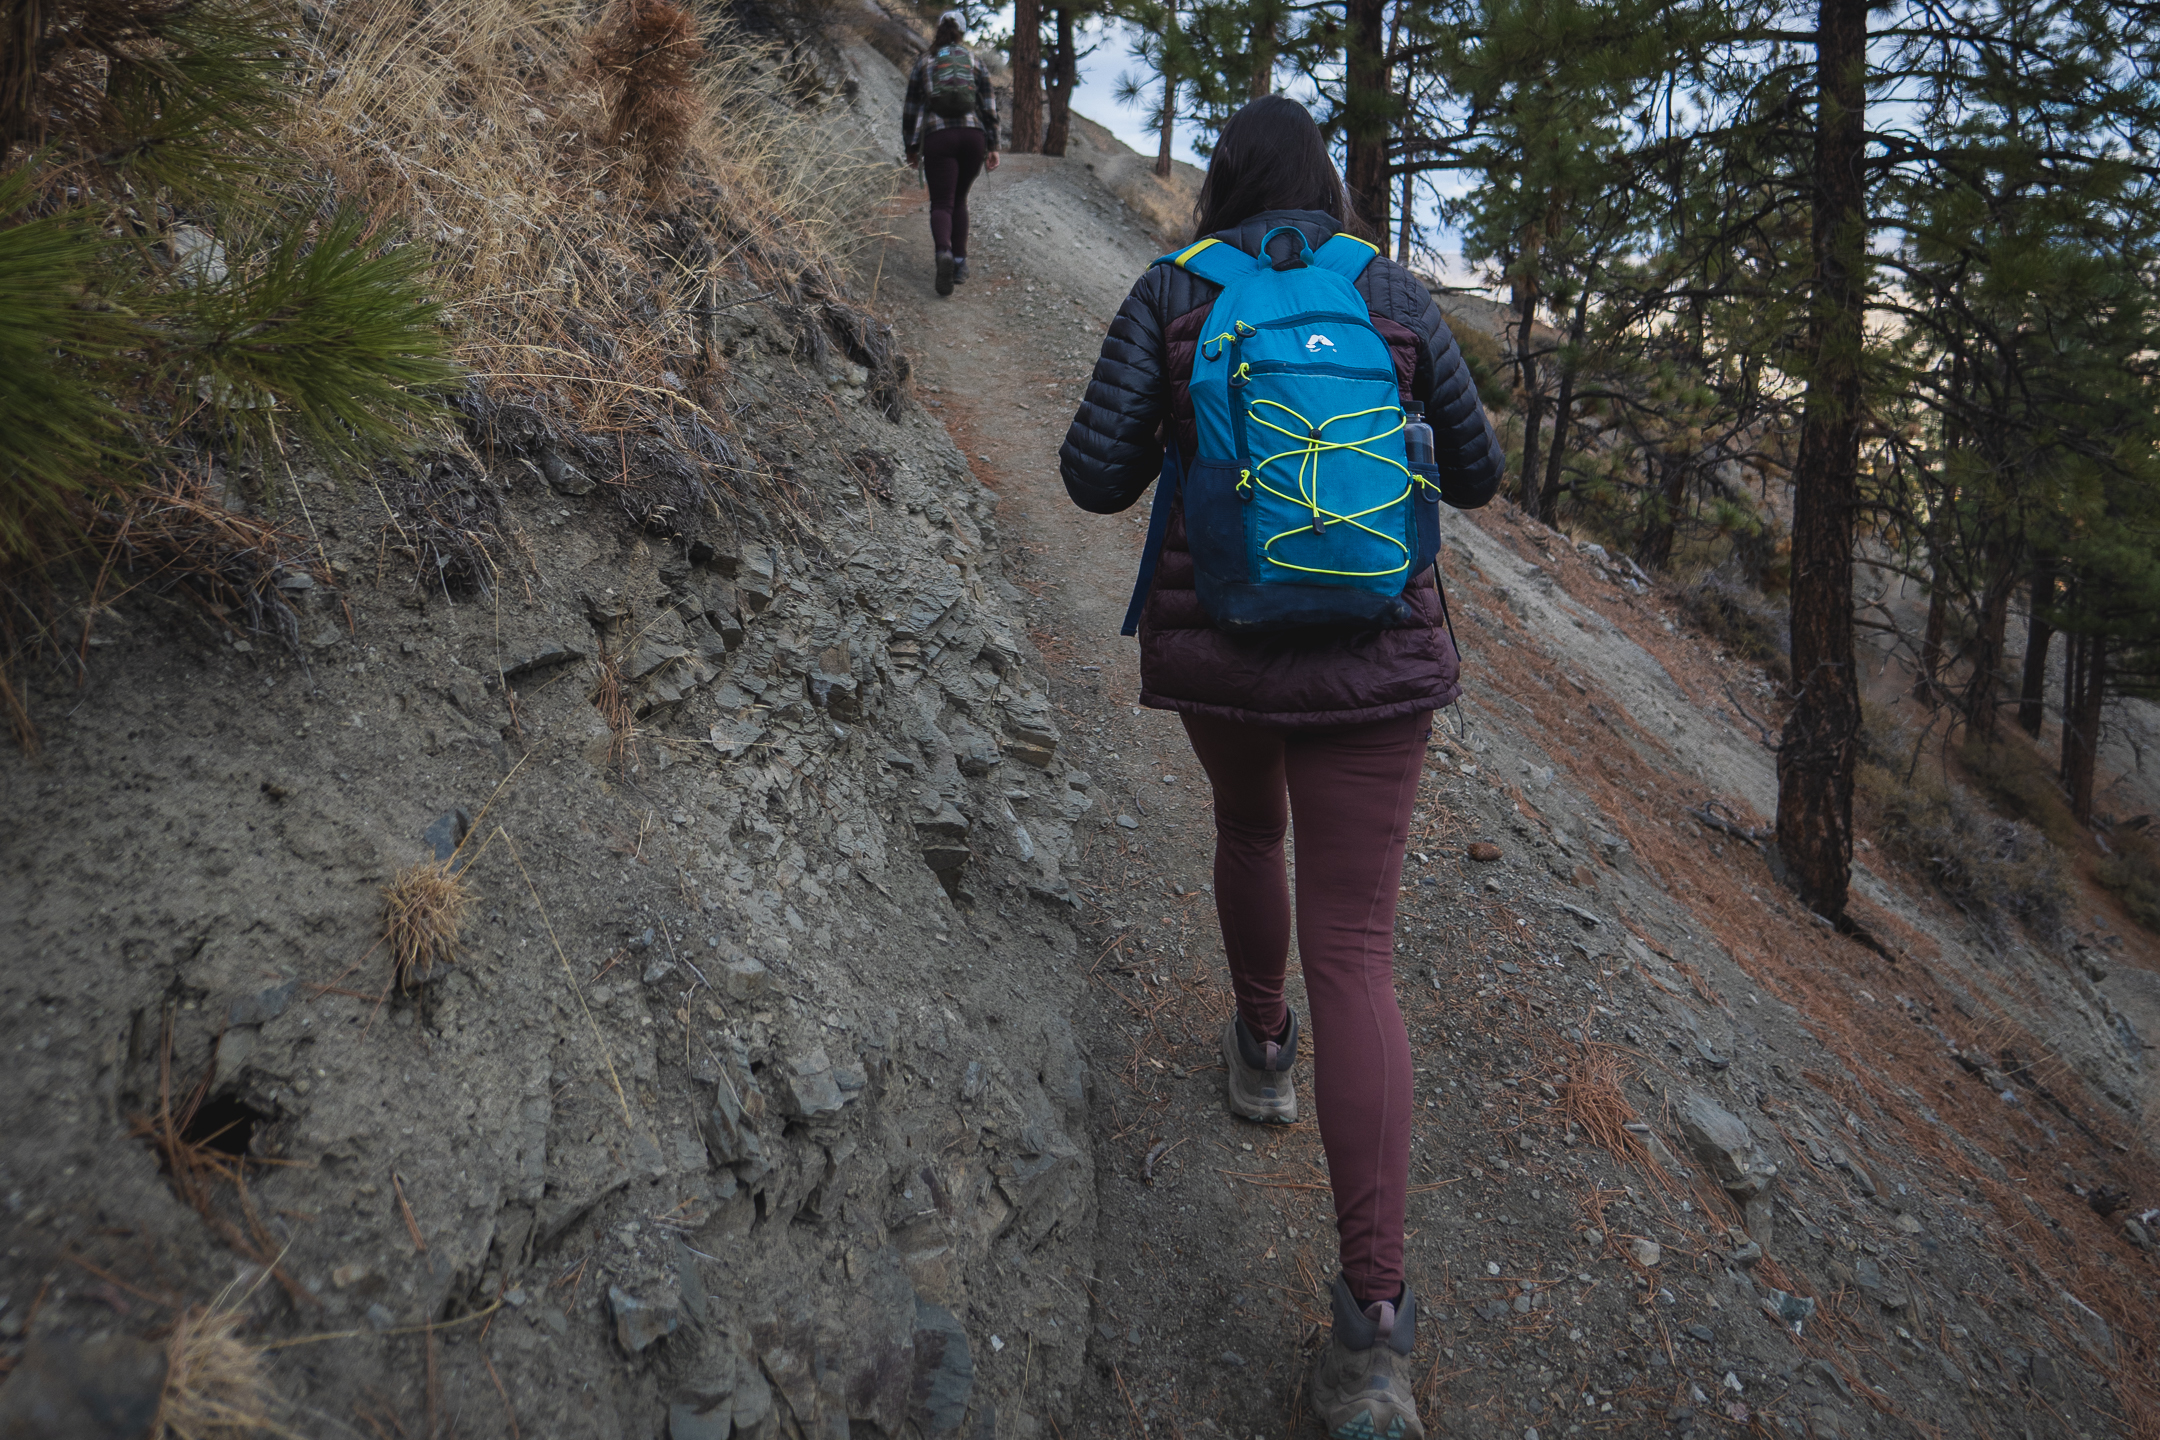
1928, 688
1265, 47
2032, 709
1816, 752
1027, 116
1402, 224
1985, 683
1549, 502
1169, 94
2084, 688
1064, 71
1366, 107
1533, 385
1659, 535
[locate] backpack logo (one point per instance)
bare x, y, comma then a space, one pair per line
1317, 342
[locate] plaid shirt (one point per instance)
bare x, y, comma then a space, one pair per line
917, 119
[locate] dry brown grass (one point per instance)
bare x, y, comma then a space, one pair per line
216, 1385
424, 908
509, 138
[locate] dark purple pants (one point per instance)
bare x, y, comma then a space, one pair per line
1351, 790
952, 157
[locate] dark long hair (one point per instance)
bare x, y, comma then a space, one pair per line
1269, 157
948, 33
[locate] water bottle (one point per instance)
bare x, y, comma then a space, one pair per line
1417, 439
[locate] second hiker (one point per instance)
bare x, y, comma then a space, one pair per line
949, 126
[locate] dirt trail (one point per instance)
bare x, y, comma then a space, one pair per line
1620, 962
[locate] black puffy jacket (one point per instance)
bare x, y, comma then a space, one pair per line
1137, 403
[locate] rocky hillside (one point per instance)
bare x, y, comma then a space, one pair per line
823, 1053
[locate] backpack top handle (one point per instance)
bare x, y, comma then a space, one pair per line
1297, 259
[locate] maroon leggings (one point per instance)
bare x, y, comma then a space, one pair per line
1352, 790
952, 157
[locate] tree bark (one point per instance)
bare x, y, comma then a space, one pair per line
2032, 708
1985, 683
1549, 502
1064, 73
1533, 385
1027, 116
2084, 690
1367, 109
1402, 223
1816, 752
1169, 93
1657, 541
1265, 47
1928, 688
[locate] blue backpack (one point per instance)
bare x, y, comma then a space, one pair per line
1302, 508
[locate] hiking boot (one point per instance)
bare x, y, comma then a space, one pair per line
959, 269
1259, 1083
944, 272
1361, 1388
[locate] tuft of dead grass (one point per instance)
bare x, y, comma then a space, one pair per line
424, 909
216, 1384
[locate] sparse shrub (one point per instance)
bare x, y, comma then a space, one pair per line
2018, 779
2132, 874
1996, 869
645, 54
1743, 623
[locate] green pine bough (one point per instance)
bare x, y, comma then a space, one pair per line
161, 287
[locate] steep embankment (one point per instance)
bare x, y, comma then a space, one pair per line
748, 1103
1687, 1162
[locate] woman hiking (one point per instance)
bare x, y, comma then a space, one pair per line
1292, 709
949, 125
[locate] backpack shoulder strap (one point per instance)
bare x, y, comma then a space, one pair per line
1212, 260
1346, 255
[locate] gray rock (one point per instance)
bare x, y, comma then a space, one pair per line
447, 831
68, 1389
380, 1318
1232, 1359
728, 1139
811, 1090
944, 1378
563, 477
715, 1421
195, 255
539, 655
1874, 1281
944, 840
263, 1006
2137, 1234
1746, 1256
1646, 1253
1722, 1141
639, 1323
1128, 822
745, 979
1789, 1310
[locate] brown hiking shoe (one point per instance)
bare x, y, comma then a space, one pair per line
1259, 1086
1361, 1388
